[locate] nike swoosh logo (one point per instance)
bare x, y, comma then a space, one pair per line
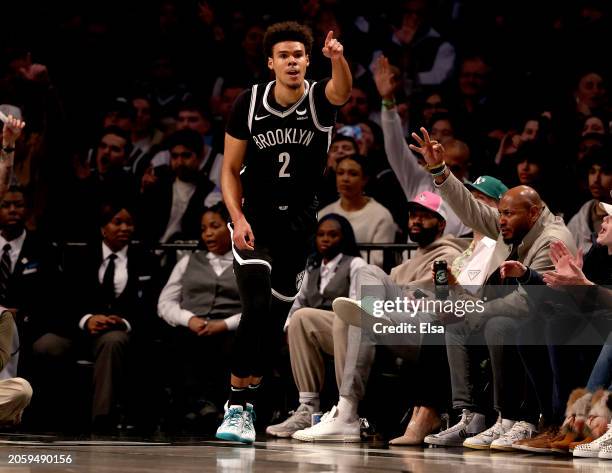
262, 117
301, 112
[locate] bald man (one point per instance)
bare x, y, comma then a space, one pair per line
523, 228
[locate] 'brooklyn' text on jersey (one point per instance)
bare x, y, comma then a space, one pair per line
280, 136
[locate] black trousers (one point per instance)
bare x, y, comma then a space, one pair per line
201, 367
268, 280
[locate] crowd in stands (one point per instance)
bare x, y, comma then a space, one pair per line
126, 105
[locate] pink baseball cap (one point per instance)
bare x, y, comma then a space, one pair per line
430, 201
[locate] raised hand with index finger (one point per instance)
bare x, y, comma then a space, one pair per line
332, 49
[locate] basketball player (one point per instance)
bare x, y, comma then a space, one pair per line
276, 145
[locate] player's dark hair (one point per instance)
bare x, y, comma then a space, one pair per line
287, 31
348, 244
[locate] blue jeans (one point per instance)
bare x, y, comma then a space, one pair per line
601, 375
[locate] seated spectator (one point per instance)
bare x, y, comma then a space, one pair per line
110, 289
356, 110
589, 142
221, 103
467, 270
120, 113
442, 128
191, 116
15, 393
371, 222
382, 185
109, 178
172, 207
590, 93
417, 48
29, 267
201, 300
563, 431
585, 225
434, 104
595, 124
312, 329
426, 227
534, 127
341, 145
458, 158
524, 228
532, 166
145, 135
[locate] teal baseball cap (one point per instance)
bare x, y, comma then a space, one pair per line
489, 186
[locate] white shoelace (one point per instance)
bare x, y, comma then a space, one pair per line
462, 424
498, 429
518, 430
235, 416
328, 416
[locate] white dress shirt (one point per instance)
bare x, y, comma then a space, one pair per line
169, 304
120, 280
474, 271
181, 195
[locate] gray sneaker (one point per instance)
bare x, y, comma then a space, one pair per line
297, 420
470, 424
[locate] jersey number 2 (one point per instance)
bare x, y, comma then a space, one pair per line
284, 158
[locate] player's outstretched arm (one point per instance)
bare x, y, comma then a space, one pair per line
231, 186
338, 89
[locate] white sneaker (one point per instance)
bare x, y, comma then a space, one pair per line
330, 429
483, 440
231, 427
248, 425
592, 449
298, 420
349, 310
520, 430
606, 452
470, 424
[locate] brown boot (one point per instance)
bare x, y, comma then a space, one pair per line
424, 421
540, 443
572, 430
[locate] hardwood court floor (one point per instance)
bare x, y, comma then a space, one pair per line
200, 455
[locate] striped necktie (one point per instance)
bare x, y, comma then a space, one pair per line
5, 271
